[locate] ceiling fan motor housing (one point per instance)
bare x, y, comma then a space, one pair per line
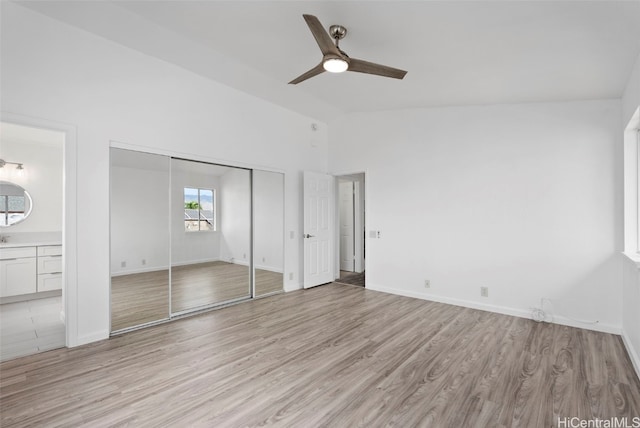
337, 32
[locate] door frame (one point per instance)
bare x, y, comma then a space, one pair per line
69, 313
351, 185
361, 220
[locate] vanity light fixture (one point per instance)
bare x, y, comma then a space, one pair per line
19, 166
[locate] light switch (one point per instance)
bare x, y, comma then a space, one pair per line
373, 234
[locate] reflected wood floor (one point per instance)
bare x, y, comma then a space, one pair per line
144, 297
139, 298
333, 355
268, 282
207, 283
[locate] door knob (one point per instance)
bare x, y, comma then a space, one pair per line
309, 236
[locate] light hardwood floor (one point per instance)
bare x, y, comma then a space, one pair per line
334, 355
207, 283
144, 297
139, 298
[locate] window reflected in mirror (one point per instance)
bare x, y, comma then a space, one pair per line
199, 210
211, 235
15, 204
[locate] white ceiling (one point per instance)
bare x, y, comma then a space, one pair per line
456, 52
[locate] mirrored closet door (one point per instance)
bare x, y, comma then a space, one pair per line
210, 235
189, 235
139, 238
268, 227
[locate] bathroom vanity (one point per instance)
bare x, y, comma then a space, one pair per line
30, 268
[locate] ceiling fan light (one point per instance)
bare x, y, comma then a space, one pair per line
335, 65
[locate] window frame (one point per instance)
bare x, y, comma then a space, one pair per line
631, 192
200, 218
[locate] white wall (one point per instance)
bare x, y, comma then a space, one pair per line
192, 247
56, 72
235, 216
631, 276
631, 95
42, 178
139, 220
268, 207
523, 199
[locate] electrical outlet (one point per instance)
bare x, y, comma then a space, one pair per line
427, 283
144, 262
484, 291
244, 256
123, 264
290, 276
264, 259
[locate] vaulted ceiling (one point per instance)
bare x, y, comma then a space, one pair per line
456, 52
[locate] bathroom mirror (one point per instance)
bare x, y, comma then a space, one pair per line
15, 204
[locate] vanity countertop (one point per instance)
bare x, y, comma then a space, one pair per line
28, 244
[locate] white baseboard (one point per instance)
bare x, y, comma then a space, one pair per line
194, 262
633, 353
92, 337
505, 310
293, 287
269, 268
141, 270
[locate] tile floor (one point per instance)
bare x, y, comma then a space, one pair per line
30, 327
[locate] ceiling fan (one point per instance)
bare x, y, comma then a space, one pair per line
335, 60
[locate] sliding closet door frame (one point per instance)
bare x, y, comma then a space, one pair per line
253, 228
214, 161
115, 145
216, 305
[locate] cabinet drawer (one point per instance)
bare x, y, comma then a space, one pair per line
49, 264
50, 250
17, 277
17, 252
49, 281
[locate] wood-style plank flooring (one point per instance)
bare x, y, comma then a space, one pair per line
144, 297
334, 355
203, 284
139, 298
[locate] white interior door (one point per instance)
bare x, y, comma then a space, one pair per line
318, 229
347, 224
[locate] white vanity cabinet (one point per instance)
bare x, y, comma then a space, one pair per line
30, 269
18, 271
49, 268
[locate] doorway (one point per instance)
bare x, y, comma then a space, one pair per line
350, 218
32, 162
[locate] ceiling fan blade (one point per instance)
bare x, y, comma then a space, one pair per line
361, 66
325, 42
309, 74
